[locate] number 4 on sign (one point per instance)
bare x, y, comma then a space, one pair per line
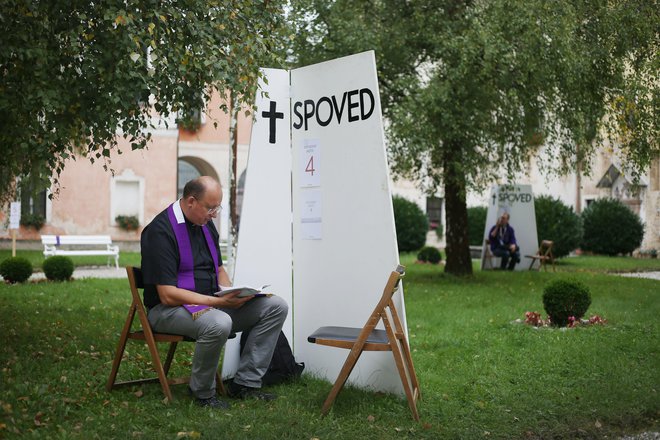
310, 166
310, 163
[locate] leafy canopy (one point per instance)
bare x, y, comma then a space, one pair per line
474, 89
75, 73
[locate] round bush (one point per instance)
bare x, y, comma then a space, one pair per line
58, 268
565, 298
16, 269
558, 223
610, 228
476, 216
411, 224
429, 254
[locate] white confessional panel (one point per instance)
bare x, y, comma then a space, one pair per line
264, 253
344, 239
518, 201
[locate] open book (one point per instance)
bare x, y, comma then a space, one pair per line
245, 291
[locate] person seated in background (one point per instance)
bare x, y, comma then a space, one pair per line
503, 244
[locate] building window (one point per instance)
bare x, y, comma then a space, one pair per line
187, 172
32, 202
127, 196
434, 211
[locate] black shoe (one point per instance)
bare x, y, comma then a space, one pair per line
212, 402
237, 391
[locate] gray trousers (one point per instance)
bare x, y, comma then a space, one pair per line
264, 317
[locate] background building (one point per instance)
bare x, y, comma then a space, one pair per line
145, 181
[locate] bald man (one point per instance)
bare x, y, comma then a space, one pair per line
181, 264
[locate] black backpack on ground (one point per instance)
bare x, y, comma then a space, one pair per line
283, 366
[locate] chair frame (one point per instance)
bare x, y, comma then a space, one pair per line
151, 338
543, 255
396, 342
488, 257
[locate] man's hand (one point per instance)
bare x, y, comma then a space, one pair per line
512, 248
230, 301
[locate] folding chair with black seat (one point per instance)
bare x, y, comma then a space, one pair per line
151, 338
368, 338
543, 256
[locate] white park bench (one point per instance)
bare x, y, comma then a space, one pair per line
80, 245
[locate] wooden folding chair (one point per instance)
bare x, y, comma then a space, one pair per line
151, 338
368, 338
543, 256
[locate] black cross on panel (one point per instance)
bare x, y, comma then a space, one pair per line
273, 116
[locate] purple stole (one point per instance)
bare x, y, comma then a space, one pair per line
186, 275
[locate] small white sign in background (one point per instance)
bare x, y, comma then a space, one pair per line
14, 215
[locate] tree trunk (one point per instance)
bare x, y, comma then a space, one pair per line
233, 215
458, 261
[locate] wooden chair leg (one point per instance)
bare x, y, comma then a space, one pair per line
158, 366
169, 358
406, 373
219, 386
123, 339
404, 365
346, 370
408, 360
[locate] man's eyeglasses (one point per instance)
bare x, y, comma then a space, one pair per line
209, 210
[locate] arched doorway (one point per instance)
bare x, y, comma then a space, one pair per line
188, 168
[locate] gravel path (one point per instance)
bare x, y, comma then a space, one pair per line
651, 275
111, 272
643, 436
89, 272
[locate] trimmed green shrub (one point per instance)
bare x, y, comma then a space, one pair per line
411, 224
429, 254
476, 216
58, 268
610, 228
559, 223
16, 269
565, 298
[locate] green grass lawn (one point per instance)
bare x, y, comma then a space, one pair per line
481, 375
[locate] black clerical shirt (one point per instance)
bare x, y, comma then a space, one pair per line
160, 257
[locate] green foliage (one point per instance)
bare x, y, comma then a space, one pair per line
411, 224
515, 74
476, 216
439, 231
558, 223
190, 121
74, 74
610, 228
429, 254
128, 222
565, 298
58, 268
33, 220
16, 269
